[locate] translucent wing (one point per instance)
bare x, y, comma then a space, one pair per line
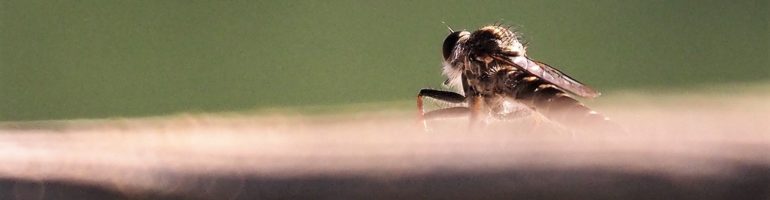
550, 74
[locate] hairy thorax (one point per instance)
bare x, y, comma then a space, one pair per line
492, 78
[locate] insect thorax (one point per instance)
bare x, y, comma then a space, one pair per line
492, 78
491, 40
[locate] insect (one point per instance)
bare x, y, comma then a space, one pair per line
490, 69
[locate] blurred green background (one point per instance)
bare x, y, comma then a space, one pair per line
95, 59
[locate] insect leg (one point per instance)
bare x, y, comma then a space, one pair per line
438, 95
475, 104
442, 95
447, 113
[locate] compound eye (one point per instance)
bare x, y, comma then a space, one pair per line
449, 43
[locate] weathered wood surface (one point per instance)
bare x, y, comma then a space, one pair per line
705, 151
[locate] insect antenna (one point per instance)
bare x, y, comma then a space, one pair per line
448, 27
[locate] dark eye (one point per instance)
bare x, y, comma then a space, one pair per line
450, 42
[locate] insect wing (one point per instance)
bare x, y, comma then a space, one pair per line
552, 75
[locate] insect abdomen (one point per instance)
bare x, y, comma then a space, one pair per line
555, 104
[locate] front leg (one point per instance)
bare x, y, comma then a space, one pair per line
474, 104
444, 113
447, 113
438, 95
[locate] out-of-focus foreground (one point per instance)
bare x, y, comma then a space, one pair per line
677, 147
